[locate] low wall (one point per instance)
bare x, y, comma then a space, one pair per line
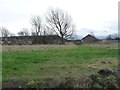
28, 40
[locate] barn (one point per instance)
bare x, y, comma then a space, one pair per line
89, 39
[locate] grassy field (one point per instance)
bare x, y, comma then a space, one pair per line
31, 65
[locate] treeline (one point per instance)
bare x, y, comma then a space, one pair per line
114, 36
57, 22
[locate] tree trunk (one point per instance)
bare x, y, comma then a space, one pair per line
62, 40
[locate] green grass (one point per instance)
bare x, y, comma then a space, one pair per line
57, 63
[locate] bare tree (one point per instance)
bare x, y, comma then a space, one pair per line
60, 22
24, 32
113, 36
12, 34
48, 30
4, 32
37, 25
109, 37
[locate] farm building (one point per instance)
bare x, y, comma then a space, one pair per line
28, 40
89, 39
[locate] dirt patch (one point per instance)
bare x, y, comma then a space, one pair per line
103, 63
113, 45
0, 47
34, 47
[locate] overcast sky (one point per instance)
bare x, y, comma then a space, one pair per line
97, 16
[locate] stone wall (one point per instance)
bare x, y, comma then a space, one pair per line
28, 40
